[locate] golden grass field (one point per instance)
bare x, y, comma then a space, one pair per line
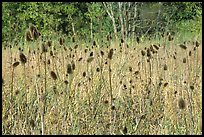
137, 89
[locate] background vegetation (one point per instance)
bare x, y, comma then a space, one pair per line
102, 68
97, 19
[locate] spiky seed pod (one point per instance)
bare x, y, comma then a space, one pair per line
197, 44
61, 41
49, 43
94, 43
108, 38
17, 92
113, 107
170, 38
97, 69
165, 84
80, 59
192, 87
84, 74
76, 46
125, 130
69, 69
165, 67
151, 48
53, 75
48, 61
44, 47
102, 53
184, 60
189, 53
183, 46
122, 41
138, 40
66, 82
36, 35
16, 64
110, 54
156, 47
148, 52
181, 103
90, 59
32, 123
51, 53
73, 65
143, 53
136, 72
106, 101
23, 58
130, 69
28, 36
91, 54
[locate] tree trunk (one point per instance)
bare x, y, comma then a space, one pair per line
110, 13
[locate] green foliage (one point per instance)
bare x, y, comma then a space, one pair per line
75, 18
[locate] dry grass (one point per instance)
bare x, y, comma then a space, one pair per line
152, 90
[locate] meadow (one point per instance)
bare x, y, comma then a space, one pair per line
104, 86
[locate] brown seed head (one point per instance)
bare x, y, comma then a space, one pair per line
165, 67
44, 47
53, 75
181, 103
184, 60
23, 58
90, 59
16, 64
69, 69
183, 46
110, 54
143, 53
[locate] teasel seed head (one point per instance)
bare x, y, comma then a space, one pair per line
183, 46
90, 59
23, 58
165, 84
15, 64
143, 53
44, 47
102, 53
125, 130
192, 87
122, 41
84, 74
156, 47
91, 54
66, 82
49, 43
69, 69
190, 53
61, 41
94, 43
181, 103
73, 65
110, 54
28, 36
165, 67
184, 60
148, 52
53, 75
197, 44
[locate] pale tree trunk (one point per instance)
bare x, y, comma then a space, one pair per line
108, 8
121, 19
91, 27
129, 13
134, 22
125, 20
